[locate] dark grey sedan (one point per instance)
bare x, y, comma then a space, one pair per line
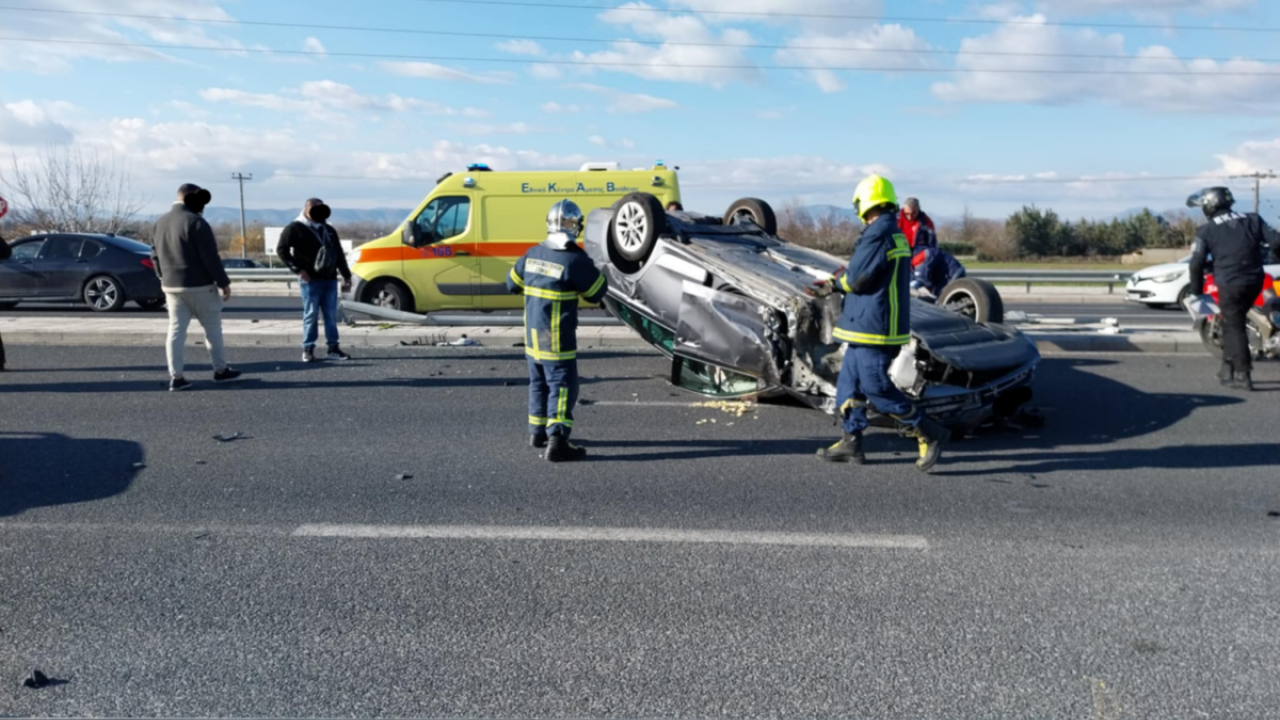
102, 271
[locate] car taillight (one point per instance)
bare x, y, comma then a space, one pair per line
146, 263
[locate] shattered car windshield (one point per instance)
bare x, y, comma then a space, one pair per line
707, 379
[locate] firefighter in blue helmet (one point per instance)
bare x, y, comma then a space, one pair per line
552, 276
874, 325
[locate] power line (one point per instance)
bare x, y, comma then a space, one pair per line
639, 66
624, 41
638, 8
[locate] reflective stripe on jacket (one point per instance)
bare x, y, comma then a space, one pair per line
552, 280
877, 307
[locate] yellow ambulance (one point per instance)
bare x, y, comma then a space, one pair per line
455, 249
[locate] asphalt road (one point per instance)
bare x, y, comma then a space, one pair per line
274, 308
372, 548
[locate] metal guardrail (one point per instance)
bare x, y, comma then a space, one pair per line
262, 274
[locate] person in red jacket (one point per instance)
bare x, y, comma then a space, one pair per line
911, 221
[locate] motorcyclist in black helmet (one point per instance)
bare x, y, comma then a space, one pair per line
1239, 244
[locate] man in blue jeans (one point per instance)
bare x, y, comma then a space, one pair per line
309, 247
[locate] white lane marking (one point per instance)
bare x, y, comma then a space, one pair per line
606, 534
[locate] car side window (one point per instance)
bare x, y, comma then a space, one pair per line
61, 247
443, 218
27, 251
90, 250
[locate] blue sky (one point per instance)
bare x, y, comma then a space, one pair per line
664, 79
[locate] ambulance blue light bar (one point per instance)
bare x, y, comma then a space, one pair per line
479, 167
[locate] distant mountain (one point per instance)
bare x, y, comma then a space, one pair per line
821, 210
277, 218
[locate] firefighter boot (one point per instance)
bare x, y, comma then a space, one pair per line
1242, 381
559, 449
849, 449
931, 437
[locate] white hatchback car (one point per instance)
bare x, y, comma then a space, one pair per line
1167, 285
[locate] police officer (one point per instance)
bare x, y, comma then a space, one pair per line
552, 276
875, 324
1237, 245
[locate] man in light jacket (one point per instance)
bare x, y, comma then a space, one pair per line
309, 247
186, 259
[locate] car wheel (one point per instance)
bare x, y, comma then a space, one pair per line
975, 299
637, 224
103, 294
151, 304
1182, 297
391, 295
755, 211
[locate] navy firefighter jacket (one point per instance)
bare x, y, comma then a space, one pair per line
877, 303
552, 277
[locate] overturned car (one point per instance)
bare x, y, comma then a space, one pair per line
744, 314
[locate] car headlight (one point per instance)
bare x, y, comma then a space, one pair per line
1168, 277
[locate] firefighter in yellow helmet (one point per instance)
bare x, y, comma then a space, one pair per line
874, 325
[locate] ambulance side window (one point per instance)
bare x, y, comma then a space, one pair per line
443, 218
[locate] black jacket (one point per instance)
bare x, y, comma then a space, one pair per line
1238, 244
5, 251
299, 245
185, 252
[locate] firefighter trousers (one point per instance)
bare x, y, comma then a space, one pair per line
864, 379
553, 391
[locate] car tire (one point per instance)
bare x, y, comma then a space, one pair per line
976, 299
1182, 297
390, 294
637, 224
103, 293
151, 304
754, 210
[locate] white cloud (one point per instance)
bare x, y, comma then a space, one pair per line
555, 108
27, 123
326, 101
597, 141
314, 45
1250, 157
815, 15
872, 46
112, 26
543, 71
515, 128
1146, 8
673, 61
1252, 88
520, 47
624, 103
439, 72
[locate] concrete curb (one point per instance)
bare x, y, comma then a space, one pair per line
286, 333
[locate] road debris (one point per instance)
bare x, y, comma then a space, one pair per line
37, 680
735, 408
404, 476
463, 341
138, 465
237, 435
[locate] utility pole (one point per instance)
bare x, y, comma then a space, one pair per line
244, 235
1257, 178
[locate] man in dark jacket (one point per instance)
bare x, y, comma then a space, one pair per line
874, 324
552, 276
933, 269
5, 253
1239, 244
309, 246
186, 259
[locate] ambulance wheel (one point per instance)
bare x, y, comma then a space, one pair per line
389, 294
975, 299
752, 210
638, 222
